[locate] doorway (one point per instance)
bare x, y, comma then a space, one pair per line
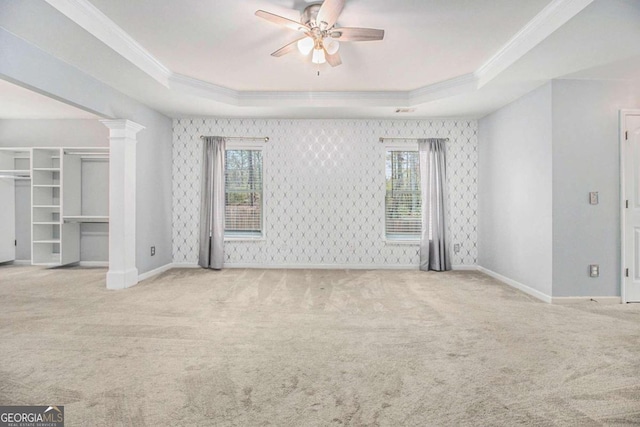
630, 209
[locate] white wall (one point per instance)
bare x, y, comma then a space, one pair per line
514, 196
539, 159
324, 186
53, 133
586, 158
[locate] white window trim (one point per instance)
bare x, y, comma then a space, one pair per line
260, 238
256, 146
401, 242
390, 241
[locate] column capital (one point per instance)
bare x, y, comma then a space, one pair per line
122, 128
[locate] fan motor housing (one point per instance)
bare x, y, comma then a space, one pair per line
309, 14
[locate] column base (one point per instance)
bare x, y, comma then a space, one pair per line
122, 279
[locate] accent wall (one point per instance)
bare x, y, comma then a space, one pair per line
324, 190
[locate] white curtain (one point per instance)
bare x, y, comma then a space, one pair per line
212, 200
434, 248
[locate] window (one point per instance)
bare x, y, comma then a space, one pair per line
403, 217
243, 193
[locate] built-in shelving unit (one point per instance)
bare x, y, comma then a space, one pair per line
46, 206
57, 203
57, 210
15, 164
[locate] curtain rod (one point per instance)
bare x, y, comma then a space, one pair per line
382, 139
266, 138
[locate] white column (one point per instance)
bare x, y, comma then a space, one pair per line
122, 203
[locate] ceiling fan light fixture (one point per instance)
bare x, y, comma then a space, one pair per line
305, 46
317, 31
318, 56
331, 45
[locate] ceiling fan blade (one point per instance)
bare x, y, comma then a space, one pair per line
329, 13
281, 20
288, 48
333, 60
348, 34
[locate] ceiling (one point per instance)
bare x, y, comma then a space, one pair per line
224, 43
19, 103
445, 58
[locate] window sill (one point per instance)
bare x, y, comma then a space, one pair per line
244, 239
399, 242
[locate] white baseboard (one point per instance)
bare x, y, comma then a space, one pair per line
323, 266
103, 264
524, 288
460, 267
463, 267
583, 300
155, 272
94, 264
185, 265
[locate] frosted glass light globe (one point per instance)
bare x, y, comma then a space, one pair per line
318, 56
305, 45
332, 45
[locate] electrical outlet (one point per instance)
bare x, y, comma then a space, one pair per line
153, 250
594, 270
456, 248
593, 198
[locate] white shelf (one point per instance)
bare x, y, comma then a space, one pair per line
46, 206
46, 185
86, 218
15, 171
46, 223
47, 241
47, 169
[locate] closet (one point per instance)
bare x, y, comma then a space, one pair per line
61, 203
15, 166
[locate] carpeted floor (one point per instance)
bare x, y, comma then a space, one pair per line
312, 348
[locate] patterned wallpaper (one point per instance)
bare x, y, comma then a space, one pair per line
324, 188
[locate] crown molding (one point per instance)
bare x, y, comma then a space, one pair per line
444, 89
90, 18
203, 89
552, 17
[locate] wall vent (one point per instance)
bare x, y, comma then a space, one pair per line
405, 110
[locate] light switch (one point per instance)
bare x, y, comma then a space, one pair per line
594, 270
593, 197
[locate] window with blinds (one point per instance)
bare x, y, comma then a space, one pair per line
243, 193
403, 217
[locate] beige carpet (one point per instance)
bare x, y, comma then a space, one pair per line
312, 348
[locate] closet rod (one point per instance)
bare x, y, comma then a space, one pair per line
383, 139
265, 138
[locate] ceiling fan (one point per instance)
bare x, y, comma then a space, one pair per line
320, 34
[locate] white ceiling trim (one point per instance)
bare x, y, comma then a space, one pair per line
451, 87
90, 18
552, 17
